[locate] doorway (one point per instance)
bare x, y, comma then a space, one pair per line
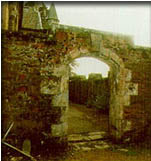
89, 94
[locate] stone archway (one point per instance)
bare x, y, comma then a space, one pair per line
120, 81
120, 78
121, 90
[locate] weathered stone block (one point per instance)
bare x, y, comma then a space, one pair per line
50, 87
95, 42
127, 125
132, 88
60, 100
58, 130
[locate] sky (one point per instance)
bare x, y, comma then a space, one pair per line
85, 66
132, 19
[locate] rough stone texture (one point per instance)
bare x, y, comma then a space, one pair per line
34, 21
26, 146
25, 94
35, 77
91, 145
91, 136
59, 129
5, 17
12, 15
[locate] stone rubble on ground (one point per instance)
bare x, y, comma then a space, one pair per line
123, 150
87, 137
26, 146
89, 141
88, 146
16, 158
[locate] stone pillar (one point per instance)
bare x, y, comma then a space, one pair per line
116, 104
61, 100
57, 88
121, 90
5, 15
11, 15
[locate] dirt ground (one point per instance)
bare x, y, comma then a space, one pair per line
82, 119
109, 155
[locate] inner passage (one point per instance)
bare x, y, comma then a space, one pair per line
89, 94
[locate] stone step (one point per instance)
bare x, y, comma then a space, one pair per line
91, 145
87, 136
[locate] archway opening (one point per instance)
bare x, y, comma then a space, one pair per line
89, 95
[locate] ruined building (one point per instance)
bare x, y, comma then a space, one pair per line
36, 53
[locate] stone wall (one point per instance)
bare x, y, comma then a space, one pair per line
35, 95
36, 71
139, 110
35, 75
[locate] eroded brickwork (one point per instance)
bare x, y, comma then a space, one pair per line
35, 75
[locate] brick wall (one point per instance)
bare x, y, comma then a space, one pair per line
35, 78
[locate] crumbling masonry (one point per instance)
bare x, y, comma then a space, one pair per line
36, 53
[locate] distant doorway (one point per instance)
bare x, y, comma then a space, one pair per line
89, 95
